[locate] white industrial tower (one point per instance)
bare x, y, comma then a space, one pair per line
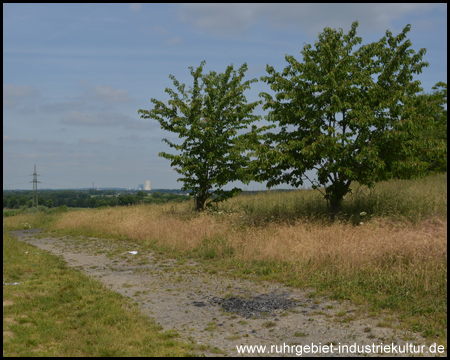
147, 185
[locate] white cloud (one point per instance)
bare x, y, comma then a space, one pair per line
109, 94
11, 140
132, 138
173, 41
135, 6
221, 19
13, 95
160, 29
97, 140
23, 155
235, 19
52, 155
141, 125
80, 155
27, 110
78, 118
61, 107
104, 119
106, 96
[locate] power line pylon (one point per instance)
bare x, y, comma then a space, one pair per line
35, 182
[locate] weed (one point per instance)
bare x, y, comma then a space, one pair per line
300, 334
269, 324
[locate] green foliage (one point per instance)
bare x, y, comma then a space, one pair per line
140, 195
436, 133
50, 203
93, 202
124, 200
351, 115
71, 198
102, 202
209, 117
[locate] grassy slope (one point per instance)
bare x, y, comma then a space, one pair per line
56, 311
393, 257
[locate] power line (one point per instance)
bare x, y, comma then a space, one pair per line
12, 177
35, 181
16, 183
51, 184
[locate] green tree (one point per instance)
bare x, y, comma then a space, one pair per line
438, 131
13, 202
140, 195
130, 199
348, 114
93, 202
156, 195
102, 202
49, 203
122, 200
209, 116
80, 202
112, 202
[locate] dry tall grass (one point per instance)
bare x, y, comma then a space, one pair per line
395, 256
284, 230
360, 246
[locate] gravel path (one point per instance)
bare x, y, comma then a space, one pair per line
216, 310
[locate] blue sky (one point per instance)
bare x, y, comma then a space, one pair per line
75, 75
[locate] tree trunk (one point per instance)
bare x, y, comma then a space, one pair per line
335, 208
335, 195
199, 203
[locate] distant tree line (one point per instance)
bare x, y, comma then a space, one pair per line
15, 199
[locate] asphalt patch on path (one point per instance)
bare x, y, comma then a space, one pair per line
257, 306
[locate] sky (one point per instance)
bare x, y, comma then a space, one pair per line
75, 76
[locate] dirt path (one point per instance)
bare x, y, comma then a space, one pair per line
215, 310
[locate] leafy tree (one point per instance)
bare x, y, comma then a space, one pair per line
350, 115
209, 116
438, 130
130, 199
122, 200
140, 195
112, 202
49, 203
156, 195
93, 202
13, 202
102, 202
80, 202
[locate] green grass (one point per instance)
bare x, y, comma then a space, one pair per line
396, 200
57, 311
